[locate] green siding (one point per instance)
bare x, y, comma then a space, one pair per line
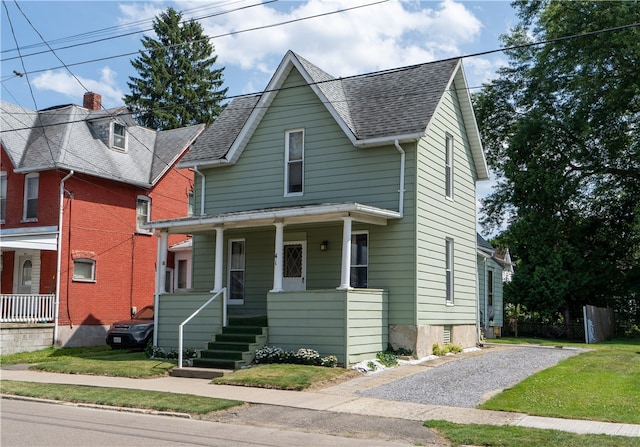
352, 325
498, 300
334, 170
440, 218
175, 308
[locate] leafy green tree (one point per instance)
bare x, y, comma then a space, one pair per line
561, 126
177, 84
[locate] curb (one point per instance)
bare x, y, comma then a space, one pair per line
98, 406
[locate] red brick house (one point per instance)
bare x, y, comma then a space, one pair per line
77, 183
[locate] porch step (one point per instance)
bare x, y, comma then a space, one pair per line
198, 373
236, 346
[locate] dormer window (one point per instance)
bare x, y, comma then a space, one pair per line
118, 137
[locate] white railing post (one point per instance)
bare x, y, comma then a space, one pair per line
223, 291
27, 308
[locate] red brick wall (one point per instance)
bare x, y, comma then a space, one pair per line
99, 222
103, 223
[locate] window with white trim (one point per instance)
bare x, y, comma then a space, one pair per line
118, 136
449, 270
236, 270
31, 185
143, 213
3, 196
359, 259
84, 270
448, 166
294, 162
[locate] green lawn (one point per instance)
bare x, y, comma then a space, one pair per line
505, 436
602, 385
121, 397
282, 376
100, 360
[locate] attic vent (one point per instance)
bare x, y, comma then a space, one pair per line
446, 337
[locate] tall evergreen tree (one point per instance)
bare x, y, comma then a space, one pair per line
561, 125
177, 84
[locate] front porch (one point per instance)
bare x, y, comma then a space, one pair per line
350, 324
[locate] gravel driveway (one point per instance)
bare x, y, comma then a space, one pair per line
469, 381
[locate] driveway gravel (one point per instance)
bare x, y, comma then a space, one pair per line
469, 381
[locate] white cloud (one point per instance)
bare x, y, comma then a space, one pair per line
375, 37
74, 87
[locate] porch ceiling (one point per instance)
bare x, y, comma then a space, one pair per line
289, 215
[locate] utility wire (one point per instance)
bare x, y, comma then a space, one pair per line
126, 34
231, 33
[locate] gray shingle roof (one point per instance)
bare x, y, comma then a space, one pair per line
387, 104
68, 138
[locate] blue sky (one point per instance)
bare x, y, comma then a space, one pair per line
379, 35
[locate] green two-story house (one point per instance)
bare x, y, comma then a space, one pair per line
342, 210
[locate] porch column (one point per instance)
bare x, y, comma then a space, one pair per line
278, 257
345, 283
217, 281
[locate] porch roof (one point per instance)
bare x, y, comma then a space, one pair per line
30, 238
326, 212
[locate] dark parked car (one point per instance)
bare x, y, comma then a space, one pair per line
134, 333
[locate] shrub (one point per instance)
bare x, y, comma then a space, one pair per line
303, 356
446, 349
156, 352
387, 358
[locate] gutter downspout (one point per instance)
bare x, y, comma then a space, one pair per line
402, 165
59, 258
202, 189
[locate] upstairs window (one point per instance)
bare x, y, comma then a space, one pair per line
31, 184
448, 167
118, 137
449, 271
3, 196
294, 166
359, 259
143, 212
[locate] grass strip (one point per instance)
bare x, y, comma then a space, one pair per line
282, 376
507, 436
151, 400
600, 385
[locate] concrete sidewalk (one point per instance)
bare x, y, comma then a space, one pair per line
342, 398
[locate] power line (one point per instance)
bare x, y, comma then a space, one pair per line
125, 34
232, 33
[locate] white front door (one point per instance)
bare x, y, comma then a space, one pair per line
294, 266
25, 270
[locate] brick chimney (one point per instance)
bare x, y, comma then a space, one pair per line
92, 101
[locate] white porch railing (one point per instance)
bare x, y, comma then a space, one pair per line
27, 308
222, 292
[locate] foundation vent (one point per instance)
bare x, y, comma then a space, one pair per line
446, 336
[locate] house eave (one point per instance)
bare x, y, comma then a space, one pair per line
287, 215
389, 140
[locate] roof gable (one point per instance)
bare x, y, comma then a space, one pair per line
65, 138
372, 110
